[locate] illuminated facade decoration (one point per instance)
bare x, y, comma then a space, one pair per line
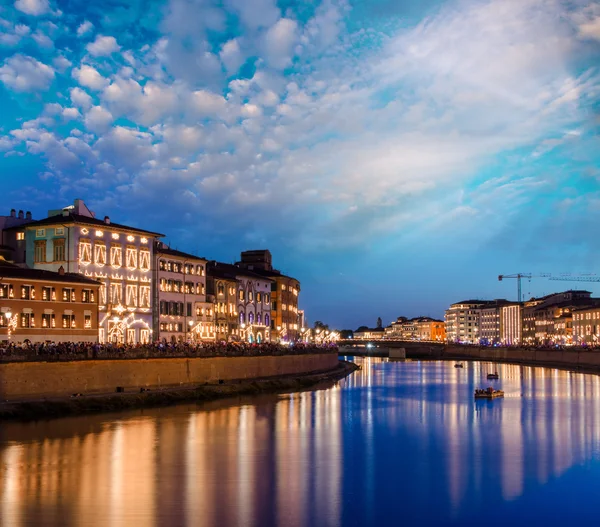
118, 256
511, 324
249, 304
180, 292
284, 320
45, 306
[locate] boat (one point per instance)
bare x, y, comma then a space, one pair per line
492, 375
458, 365
488, 393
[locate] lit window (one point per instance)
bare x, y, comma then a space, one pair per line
100, 254
85, 252
59, 231
40, 233
144, 260
20, 235
132, 258
116, 256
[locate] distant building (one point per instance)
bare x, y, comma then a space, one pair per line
491, 321
221, 288
419, 328
253, 302
119, 256
12, 241
586, 326
511, 324
285, 291
46, 306
180, 287
462, 321
369, 334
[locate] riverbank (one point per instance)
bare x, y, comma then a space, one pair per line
97, 403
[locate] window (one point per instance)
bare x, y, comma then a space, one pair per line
48, 293
200, 270
131, 293
116, 256
250, 296
161, 265
267, 299
39, 254
266, 320
100, 254
59, 250
241, 294
189, 309
87, 321
68, 294
20, 236
48, 320
220, 289
115, 293
200, 289
145, 260
145, 296
103, 294
68, 321
250, 318
86, 296
258, 297
27, 292
59, 231
27, 320
40, 233
131, 258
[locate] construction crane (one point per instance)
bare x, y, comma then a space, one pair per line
563, 277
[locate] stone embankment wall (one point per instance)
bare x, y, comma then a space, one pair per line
31, 380
575, 359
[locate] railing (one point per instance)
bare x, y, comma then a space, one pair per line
65, 352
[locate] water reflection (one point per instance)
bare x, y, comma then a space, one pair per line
393, 439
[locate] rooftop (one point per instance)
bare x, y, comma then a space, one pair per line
79, 219
8, 270
177, 254
233, 270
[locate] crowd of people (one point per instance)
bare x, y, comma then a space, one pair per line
89, 350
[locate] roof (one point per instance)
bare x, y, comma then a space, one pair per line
233, 270
8, 270
477, 302
575, 304
371, 330
82, 220
179, 254
271, 274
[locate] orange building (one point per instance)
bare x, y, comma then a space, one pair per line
44, 306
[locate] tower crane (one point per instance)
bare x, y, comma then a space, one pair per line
563, 277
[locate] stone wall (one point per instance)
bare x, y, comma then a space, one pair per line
33, 380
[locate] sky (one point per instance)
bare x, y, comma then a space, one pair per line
395, 156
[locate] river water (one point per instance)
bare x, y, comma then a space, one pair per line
396, 443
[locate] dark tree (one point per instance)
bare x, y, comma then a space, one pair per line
379, 323
346, 333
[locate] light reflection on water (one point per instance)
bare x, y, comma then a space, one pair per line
397, 442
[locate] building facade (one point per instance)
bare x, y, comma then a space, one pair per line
419, 328
183, 313
44, 306
586, 326
118, 256
222, 287
285, 293
462, 321
12, 241
511, 324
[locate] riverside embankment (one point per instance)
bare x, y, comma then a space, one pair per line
228, 385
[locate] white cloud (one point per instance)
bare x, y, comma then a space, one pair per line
61, 63
33, 7
98, 120
231, 55
84, 28
103, 46
80, 98
89, 77
43, 40
257, 13
279, 42
70, 114
24, 74
591, 29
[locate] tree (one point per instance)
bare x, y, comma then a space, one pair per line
319, 325
361, 329
379, 323
346, 333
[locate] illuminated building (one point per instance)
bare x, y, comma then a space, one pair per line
285, 323
586, 326
511, 324
120, 257
549, 320
222, 287
369, 334
253, 301
44, 306
183, 313
419, 328
462, 321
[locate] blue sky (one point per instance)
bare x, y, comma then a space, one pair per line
395, 156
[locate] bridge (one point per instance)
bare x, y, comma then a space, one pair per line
381, 348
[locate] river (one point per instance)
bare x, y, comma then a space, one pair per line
396, 443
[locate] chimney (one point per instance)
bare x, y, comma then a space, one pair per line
28, 215
13, 213
61, 270
107, 220
21, 214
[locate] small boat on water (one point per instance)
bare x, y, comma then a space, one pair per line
488, 393
458, 365
492, 375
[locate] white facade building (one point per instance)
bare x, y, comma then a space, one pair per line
183, 313
120, 257
462, 321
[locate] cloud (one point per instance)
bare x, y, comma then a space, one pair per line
98, 120
279, 42
591, 29
26, 74
231, 55
80, 98
42, 40
61, 63
255, 14
33, 7
84, 28
89, 77
103, 46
